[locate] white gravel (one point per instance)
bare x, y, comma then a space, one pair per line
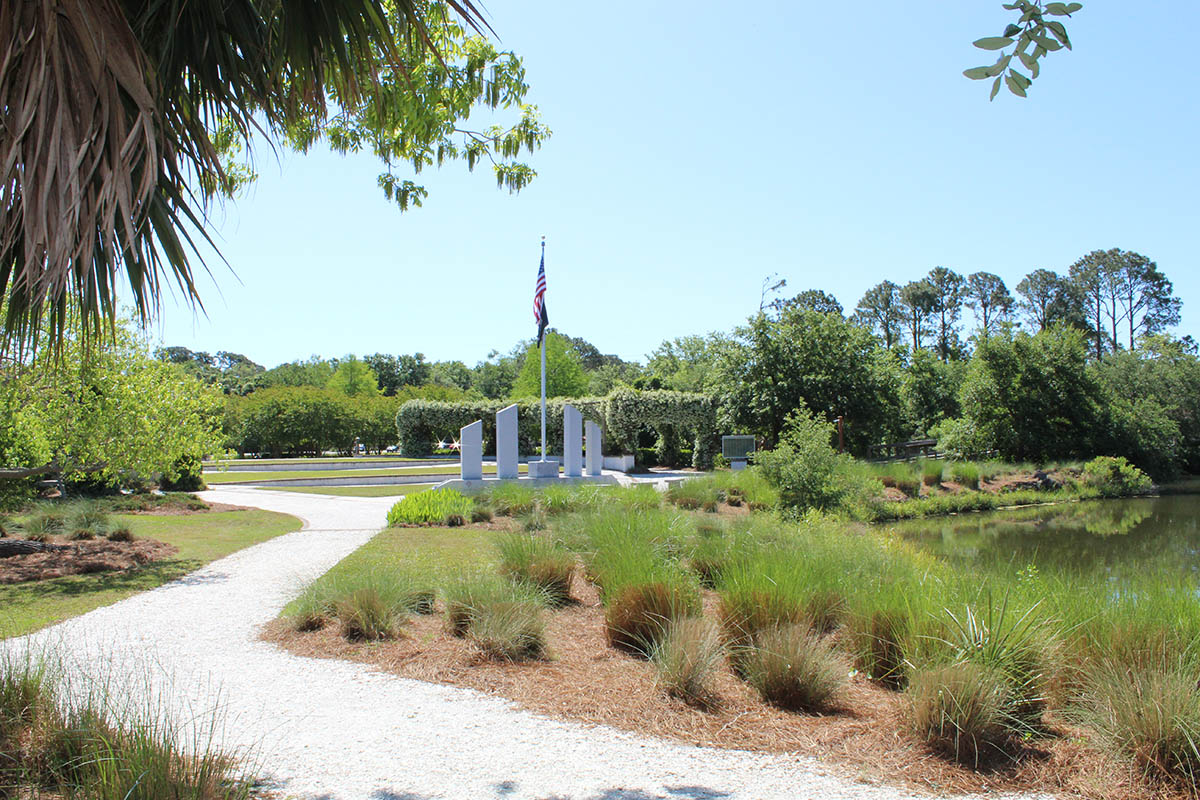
328, 729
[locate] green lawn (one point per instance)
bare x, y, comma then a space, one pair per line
443, 555
356, 491
217, 478
220, 462
201, 538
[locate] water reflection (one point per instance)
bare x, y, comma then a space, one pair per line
1109, 539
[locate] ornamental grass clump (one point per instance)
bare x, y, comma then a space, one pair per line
466, 597
539, 561
508, 630
696, 493
931, 473
432, 506
59, 740
365, 615
900, 475
687, 657
965, 474
960, 710
42, 525
88, 522
1148, 715
793, 668
638, 615
121, 533
879, 639
513, 499
370, 604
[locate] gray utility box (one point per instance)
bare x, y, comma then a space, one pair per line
737, 450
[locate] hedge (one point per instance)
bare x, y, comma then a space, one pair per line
621, 415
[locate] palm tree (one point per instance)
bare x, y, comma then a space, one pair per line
108, 160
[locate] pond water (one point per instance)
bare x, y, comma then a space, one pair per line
1122, 541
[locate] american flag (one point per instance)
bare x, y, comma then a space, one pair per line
539, 298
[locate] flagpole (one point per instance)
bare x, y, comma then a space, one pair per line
543, 371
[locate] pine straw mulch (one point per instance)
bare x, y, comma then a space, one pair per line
83, 558
865, 738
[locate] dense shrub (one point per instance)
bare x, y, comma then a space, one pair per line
809, 473
186, 476
1115, 477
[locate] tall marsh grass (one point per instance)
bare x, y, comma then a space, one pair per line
539, 561
63, 741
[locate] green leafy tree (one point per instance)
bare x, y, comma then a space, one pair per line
315, 372
396, 371
494, 378
949, 291
881, 310
918, 301
771, 367
564, 375
123, 117
814, 299
1047, 299
1031, 37
1123, 289
103, 412
1033, 397
353, 378
989, 298
685, 364
929, 391
1145, 295
450, 373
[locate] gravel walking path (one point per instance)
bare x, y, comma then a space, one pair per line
341, 731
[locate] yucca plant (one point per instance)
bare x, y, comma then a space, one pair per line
1015, 646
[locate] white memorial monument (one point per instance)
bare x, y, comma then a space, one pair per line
572, 442
595, 449
507, 458
471, 451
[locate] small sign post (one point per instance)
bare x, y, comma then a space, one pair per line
737, 449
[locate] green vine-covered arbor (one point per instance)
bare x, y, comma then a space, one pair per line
622, 415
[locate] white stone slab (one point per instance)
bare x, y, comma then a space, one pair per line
572, 442
506, 442
543, 469
471, 455
593, 457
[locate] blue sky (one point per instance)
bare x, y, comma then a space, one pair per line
698, 149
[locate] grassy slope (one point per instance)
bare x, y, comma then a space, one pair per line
218, 478
444, 554
395, 490
219, 462
201, 538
